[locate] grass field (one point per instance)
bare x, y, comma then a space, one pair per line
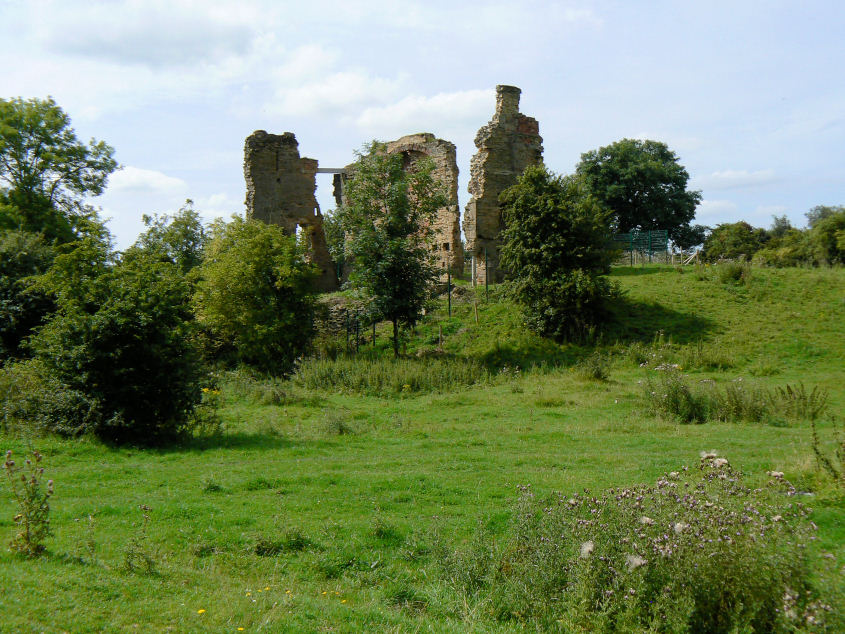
325, 510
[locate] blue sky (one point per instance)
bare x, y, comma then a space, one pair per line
750, 95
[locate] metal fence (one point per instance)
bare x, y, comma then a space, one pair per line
645, 243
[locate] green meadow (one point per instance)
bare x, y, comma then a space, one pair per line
330, 501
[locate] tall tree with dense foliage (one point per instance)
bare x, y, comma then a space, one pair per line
179, 239
254, 294
734, 240
23, 256
120, 345
46, 172
388, 220
555, 248
643, 184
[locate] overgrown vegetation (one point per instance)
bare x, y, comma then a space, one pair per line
388, 222
697, 551
554, 248
822, 243
672, 396
385, 377
33, 503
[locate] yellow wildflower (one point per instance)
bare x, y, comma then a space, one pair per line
200, 611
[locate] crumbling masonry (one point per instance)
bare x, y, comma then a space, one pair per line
280, 187
506, 146
280, 190
447, 224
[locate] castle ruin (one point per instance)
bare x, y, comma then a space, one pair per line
280, 190
281, 184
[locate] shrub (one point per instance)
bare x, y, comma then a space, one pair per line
121, 343
22, 308
828, 238
733, 272
554, 248
698, 551
734, 241
595, 367
33, 402
671, 397
254, 295
33, 503
739, 402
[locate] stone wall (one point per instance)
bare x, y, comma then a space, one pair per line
508, 144
280, 190
447, 225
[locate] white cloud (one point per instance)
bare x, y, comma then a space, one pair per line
154, 33
336, 94
444, 111
219, 205
136, 179
711, 212
733, 179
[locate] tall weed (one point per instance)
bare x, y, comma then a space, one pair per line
383, 377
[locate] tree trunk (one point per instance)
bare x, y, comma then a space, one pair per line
395, 338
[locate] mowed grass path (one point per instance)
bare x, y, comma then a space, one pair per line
357, 517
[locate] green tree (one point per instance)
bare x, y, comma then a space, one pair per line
643, 184
388, 219
555, 249
120, 344
254, 294
828, 238
736, 240
45, 171
179, 239
23, 255
820, 212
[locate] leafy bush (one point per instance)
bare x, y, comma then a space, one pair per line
734, 241
121, 341
383, 377
698, 551
595, 367
254, 295
22, 308
33, 402
828, 238
733, 272
554, 248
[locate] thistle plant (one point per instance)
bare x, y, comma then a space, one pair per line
33, 517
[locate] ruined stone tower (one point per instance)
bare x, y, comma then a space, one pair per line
508, 144
447, 225
280, 190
